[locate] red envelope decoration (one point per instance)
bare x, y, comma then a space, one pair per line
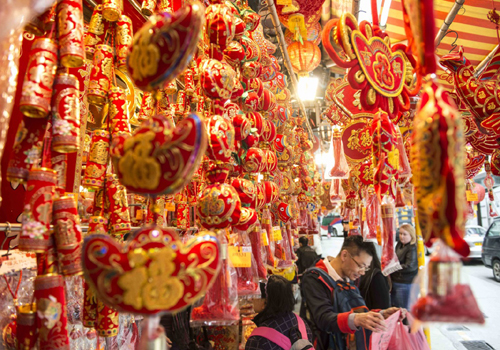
160, 158
153, 272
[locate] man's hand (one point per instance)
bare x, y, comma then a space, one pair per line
388, 312
373, 321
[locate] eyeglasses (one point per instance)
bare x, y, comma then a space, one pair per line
362, 267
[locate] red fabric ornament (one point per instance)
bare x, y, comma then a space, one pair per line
246, 190
162, 48
152, 274
219, 206
139, 160
221, 138
217, 79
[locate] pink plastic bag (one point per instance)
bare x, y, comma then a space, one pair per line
398, 336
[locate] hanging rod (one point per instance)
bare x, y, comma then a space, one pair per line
17, 227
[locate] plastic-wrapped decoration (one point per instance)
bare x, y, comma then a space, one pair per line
245, 264
404, 169
220, 306
390, 262
258, 251
373, 224
267, 226
340, 169
448, 299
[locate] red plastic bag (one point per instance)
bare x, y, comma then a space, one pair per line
447, 299
266, 225
390, 262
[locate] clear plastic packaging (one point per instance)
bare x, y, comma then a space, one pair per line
339, 168
248, 277
258, 251
390, 262
447, 299
220, 305
404, 169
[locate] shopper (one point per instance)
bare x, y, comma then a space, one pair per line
330, 299
373, 285
306, 255
406, 250
177, 329
345, 227
278, 316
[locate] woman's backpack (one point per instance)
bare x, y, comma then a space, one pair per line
282, 340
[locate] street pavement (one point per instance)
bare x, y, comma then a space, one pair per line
450, 336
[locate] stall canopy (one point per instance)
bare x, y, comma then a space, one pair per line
470, 28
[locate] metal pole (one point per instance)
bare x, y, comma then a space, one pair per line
481, 66
281, 41
448, 21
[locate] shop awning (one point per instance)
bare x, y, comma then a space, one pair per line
471, 29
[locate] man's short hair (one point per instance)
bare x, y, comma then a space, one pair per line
356, 244
303, 240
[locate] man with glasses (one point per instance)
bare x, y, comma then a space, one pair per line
332, 303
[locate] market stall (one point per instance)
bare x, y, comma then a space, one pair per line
161, 156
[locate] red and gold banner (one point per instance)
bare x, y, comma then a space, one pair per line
27, 149
40, 73
37, 215
118, 206
65, 114
70, 30
124, 35
68, 236
98, 160
100, 77
51, 312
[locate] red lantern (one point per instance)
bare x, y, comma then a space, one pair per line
268, 132
256, 121
217, 79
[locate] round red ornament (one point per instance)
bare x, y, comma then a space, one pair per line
248, 219
251, 69
254, 160
256, 120
217, 79
246, 190
221, 138
219, 207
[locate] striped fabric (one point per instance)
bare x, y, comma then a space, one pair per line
475, 32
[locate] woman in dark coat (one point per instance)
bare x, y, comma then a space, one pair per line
402, 280
374, 286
